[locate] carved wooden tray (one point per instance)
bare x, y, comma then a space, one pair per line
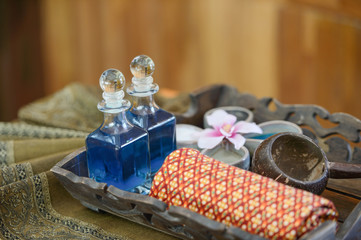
177, 221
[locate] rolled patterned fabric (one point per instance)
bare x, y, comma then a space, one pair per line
233, 196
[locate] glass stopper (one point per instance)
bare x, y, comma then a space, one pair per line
142, 66
112, 81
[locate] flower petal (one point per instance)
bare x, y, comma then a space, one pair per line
220, 117
195, 135
237, 140
209, 132
246, 127
209, 142
209, 138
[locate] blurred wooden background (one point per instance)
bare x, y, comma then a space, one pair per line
298, 51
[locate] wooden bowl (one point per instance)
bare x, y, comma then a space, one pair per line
293, 159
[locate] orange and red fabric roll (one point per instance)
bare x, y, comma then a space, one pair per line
233, 196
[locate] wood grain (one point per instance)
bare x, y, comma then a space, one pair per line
193, 43
320, 55
21, 76
298, 51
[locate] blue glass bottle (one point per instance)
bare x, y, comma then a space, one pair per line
118, 152
146, 114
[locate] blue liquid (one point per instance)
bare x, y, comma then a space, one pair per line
120, 159
161, 129
262, 136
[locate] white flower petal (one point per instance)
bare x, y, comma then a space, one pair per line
209, 142
220, 117
237, 140
246, 127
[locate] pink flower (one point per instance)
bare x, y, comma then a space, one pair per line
225, 126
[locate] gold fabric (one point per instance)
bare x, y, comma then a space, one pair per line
26, 213
75, 107
33, 203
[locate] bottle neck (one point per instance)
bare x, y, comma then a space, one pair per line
144, 103
115, 123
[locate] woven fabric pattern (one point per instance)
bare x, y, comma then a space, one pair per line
237, 197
